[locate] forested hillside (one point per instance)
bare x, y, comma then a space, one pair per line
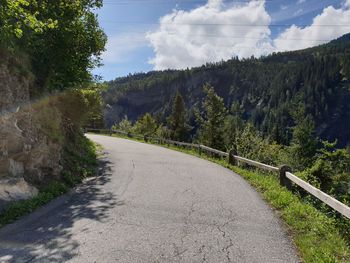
270, 91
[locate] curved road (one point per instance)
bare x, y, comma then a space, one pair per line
151, 204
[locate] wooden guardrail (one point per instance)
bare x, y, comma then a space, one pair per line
285, 173
214, 151
325, 198
256, 164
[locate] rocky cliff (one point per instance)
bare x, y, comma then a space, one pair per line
27, 156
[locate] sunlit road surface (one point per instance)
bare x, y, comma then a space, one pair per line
151, 204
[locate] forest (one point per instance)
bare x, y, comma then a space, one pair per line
270, 91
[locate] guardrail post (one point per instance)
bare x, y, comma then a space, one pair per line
110, 132
284, 181
145, 137
231, 159
199, 149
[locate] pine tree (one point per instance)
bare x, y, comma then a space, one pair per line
233, 126
212, 122
179, 129
304, 143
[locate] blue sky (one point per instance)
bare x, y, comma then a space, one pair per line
159, 34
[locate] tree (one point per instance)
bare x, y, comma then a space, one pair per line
163, 132
61, 38
19, 17
93, 99
146, 125
211, 122
331, 171
177, 120
124, 125
304, 143
233, 126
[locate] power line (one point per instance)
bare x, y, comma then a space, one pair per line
238, 37
233, 45
179, 2
225, 24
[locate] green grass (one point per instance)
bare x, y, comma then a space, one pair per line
315, 234
79, 164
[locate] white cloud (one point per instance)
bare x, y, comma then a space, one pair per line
120, 46
347, 3
314, 35
210, 33
301, 1
206, 34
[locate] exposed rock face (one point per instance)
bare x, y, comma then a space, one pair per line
27, 157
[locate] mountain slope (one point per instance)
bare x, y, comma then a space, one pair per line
270, 90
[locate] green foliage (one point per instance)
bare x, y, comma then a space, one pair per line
304, 143
19, 17
62, 39
146, 125
233, 126
92, 106
252, 145
211, 122
163, 132
331, 172
79, 159
179, 129
80, 107
124, 125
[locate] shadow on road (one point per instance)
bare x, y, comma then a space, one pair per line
46, 235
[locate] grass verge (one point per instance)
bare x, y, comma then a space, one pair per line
316, 235
80, 163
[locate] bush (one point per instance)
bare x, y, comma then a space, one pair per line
331, 172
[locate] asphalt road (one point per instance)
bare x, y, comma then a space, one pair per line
151, 204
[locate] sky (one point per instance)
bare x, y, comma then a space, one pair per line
145, 35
